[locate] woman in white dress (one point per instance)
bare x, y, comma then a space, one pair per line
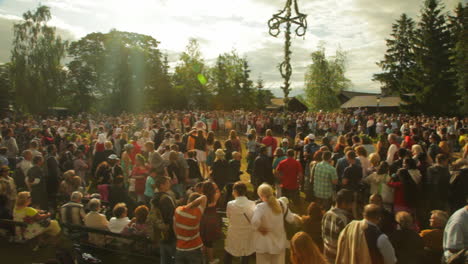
239, 237
270, 241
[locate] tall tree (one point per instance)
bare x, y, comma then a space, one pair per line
247, 93
325, 79
459, 30
5, 86
37, 74
431, 77
190, 78
122, 70
263, 96
233, 85
399, 58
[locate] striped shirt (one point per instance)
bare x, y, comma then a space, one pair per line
333, 222
72, 213
187, 228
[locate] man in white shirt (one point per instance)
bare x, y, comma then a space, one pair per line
392, 150
380, 247
120, 219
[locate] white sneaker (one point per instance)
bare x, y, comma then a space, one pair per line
214, 261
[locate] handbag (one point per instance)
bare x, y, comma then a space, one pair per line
131, 186
458, 258
44, 222
290, 229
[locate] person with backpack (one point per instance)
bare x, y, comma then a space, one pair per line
66, 159
166, 204
309, 151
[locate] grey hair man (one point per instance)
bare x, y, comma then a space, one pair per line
73, 211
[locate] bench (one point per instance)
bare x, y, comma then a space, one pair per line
9, 226
125, 245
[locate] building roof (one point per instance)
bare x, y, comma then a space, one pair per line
294, 104
351, 94
277, 102
371, 101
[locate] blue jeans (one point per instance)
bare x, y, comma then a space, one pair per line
167, 251
189, 257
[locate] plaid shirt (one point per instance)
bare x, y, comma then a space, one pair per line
324, 174
333, 222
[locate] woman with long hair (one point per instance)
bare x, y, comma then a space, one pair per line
383, 145
220, 169
200, 148
312, 224
126, 162
210, 140
340, 145
362, 156
305, 251
270, 241
236, 144
210, 224
174, 170
139, 174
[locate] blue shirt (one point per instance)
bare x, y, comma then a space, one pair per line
3, 161
149, 190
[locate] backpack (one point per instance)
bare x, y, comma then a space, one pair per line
311, 148
66, 161
160, 229
159, 137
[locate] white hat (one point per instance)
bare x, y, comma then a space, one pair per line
311, 136
113, 157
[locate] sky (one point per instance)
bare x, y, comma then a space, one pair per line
358, 27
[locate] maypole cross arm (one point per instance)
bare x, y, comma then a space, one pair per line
286, 17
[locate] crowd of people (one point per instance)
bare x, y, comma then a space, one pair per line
378, 188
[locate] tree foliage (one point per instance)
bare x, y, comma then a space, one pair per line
232, 85
325, 79
459, 30
37, 73
399, 58
263, 96
5, 86
119, 71
431, 76
117, 68
428, 61
189, 79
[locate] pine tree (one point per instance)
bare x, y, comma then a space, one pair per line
263, 96
399, 58
459, 30
247, 93
431, 77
